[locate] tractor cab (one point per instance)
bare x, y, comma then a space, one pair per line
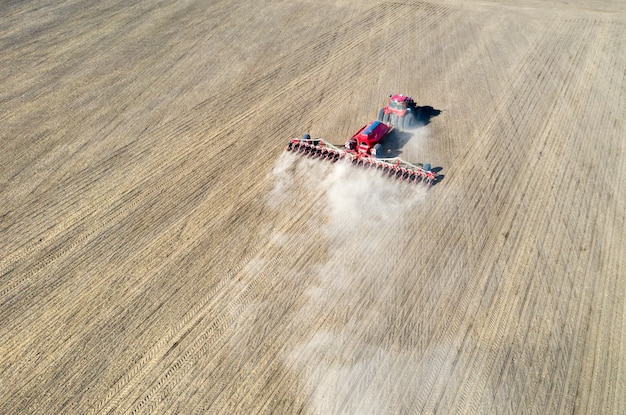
400, 112
398, 104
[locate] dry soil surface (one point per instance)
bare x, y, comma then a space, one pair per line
161, 253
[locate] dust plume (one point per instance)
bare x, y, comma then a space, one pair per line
361, 215
362, 199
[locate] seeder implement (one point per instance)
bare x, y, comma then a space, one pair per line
395, 168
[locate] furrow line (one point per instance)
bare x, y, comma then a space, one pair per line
223, 392
190, 318
195, 315
214, 357
326, 313
199, 347
566, 397
18, 256
492, 126
485, 358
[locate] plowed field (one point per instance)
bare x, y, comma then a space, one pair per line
160, 252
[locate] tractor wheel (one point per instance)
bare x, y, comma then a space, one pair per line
418, 117
393, 120
381, 115
408, 121
386, 119
378, 151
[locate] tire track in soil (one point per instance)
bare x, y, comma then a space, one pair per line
219, 325
299, 253
294, 252
618, 225
323, 314
544, 190
216, 367
444, 205
400, 368
565, 355
558, 117
464, 303
97, 287
481, 357
191, 319
401, 376
596, 329
323, 317
220, 394
571, 189
161, 135
529, 306
191, 183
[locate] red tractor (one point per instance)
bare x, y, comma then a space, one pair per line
401, 112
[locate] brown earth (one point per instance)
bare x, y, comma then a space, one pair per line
161, 253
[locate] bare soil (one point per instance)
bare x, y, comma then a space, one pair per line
161, 253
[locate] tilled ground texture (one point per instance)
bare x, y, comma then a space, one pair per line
160, 252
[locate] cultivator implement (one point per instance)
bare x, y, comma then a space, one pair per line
395, 168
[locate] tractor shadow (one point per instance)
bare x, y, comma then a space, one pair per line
440, 177
426, 113
393, 143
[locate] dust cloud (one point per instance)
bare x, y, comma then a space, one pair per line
416, 141
353, 198
344, 377
361, 215
358, 199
